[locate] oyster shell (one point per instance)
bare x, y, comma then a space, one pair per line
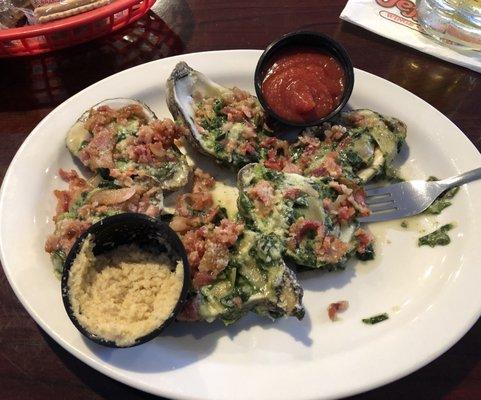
116, 155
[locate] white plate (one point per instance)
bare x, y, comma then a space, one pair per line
432, 295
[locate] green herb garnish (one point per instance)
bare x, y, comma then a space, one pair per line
437, 238
442, 201
376, 319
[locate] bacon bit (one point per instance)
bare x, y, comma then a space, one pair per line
340, 187
358, 200
246, 148
202, 181
263, 194
272, 161
227, 232
98, 152
344, 143
355, 118
262, 191
247, 111
132, 110
63, 201
329, 166
268, 142
327, 204
292, 193
67, 232
335, 133
166, 132
195, 242
301, 227
311, 144
202, 279
364, 238
334, 308
180, 224
233, 114
291, 168
208, 250
331, 249
345, 213
214, 260
76, 186
99, 117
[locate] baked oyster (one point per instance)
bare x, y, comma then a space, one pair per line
314, 218
227, 124
233, 269
123, 140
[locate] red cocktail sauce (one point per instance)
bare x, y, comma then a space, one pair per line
303, 84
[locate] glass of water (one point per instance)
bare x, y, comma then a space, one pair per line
455, 23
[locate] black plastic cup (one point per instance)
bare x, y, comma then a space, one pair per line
308, 39
129, 228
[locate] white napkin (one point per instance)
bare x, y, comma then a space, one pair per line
396, 20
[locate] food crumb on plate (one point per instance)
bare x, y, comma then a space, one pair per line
376, 319
337, 307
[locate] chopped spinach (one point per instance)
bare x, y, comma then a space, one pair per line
325, 192
352, 159
58, 259
368, 253
442, 201
220, 215
217, 106
104, 173
301, 201
437, 238
108, 185
268, 249
376, 319
164, 172
273, 176
121, 135
296, 153
215, 123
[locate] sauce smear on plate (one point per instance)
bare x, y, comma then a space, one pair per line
303, 84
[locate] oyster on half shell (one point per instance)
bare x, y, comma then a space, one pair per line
293, 208
122, 139
227, 124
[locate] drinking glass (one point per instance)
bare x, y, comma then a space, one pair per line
455, 23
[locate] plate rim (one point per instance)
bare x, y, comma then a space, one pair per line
103, 366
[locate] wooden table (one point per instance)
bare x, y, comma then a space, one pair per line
33, 366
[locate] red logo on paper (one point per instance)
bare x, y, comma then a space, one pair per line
407, 12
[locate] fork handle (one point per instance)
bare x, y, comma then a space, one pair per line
461, 179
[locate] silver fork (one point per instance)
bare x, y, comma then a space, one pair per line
405, 199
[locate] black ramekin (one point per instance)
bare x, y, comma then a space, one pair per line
128, 228
308, 39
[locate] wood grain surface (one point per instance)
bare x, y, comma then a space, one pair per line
33, 366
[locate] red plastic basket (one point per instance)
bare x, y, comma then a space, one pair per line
42, 38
